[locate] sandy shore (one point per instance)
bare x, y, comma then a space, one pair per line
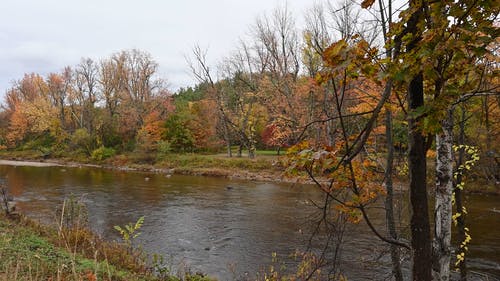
27, 163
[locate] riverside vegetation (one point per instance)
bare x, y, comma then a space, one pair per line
70, 251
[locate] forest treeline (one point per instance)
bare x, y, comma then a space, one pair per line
344, 92
269, 93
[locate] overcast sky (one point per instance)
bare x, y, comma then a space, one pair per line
44, 36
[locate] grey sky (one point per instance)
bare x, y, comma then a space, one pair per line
45, 36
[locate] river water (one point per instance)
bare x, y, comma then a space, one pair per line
225, 228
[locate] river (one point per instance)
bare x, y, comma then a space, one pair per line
225, 228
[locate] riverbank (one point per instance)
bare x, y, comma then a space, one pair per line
261, 168
266, 167
36, 252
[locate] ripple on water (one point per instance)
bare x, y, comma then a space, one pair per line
200, 222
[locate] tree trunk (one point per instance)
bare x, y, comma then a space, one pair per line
420, 227
443, 205
251, 152
90, 116
389, 202
490, 163
227, 137
419, 224
62, 114
240, 149
487, 123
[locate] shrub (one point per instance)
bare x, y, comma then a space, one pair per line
82, 140
103, 153
164, 148
35, 143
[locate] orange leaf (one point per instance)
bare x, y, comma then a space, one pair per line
91, 276
367, 4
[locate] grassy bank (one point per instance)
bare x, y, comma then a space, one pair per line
31, 251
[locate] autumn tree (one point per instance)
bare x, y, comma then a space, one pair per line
149, 135
410, 38
192, 101
177, 133
276, 135
86, 93
202, 127
214, 92
131, 90
277, 39
358, 98
242, 73
436, 43
317, 37
108, 102
444, 45
58, 85
31, 112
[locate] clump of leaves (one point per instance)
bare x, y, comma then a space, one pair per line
352, 185
473, 153
130, 231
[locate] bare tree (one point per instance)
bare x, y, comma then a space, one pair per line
202, 72
112, 80
85, 93
58, 85
276, 38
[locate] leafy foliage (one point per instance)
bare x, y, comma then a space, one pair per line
356, 184
177, 133
103, 153
130, 231
473, 154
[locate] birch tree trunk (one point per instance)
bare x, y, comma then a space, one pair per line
443, 206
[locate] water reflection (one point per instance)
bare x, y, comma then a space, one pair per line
218, 226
